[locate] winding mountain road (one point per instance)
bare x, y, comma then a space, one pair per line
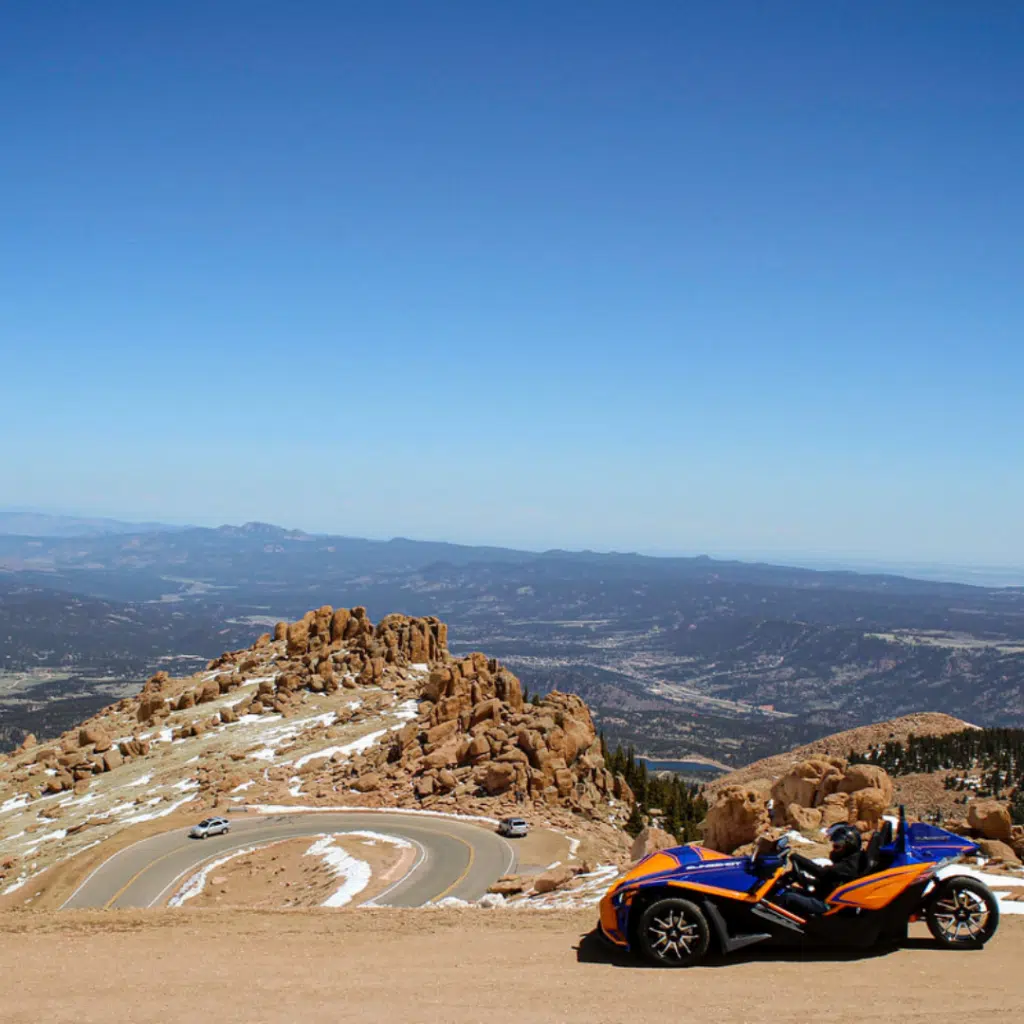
454, 858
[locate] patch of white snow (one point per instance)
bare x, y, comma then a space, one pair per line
14, 803
169, 809
355, 872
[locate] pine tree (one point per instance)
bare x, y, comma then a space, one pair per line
635, 823
1017, 806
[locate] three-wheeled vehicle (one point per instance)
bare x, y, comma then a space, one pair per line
677, 904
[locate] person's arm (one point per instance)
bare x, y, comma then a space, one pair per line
808, 867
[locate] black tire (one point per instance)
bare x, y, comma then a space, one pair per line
962, 913
673, 933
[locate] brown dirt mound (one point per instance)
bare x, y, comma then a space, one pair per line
861, 739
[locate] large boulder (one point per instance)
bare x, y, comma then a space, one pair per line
999, 852
867, 776
553, 879
1017, 840
991, 819
209, 691
804, 819
510, 885
297, 638
835, 809
95, 736
737, 816
650, 840
150, 706
808, 783
867, 808
498, 778
339, 623
367, 783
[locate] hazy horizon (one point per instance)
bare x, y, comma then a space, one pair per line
978, 574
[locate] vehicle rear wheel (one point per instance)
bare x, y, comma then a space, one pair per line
673, 933
962, 913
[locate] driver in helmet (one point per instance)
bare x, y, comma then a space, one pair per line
818, 881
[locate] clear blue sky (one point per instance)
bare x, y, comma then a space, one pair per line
664, 276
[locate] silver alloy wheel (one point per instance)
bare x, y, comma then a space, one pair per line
961, 915
672, 935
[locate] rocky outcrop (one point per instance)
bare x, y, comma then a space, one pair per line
990, 819
821, 792
331, 649
738, 815
475, 736
1017, 841
95, 736
152, 703
650, 840
999, 852
812, 794
807, 783
858, 777
861, 739
376, 715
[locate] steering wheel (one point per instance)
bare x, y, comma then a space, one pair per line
804, 877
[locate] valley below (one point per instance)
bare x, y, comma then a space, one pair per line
676, 656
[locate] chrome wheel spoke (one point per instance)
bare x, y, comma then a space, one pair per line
672, 935
962, 915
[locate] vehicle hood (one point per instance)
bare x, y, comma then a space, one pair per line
681, 860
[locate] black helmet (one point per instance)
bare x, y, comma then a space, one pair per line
846, 840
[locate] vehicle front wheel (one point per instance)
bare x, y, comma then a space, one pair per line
673, 933
962, 913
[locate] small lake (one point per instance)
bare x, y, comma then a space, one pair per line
682, 767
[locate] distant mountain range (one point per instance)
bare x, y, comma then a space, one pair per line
31, 522
729, 659
28, 522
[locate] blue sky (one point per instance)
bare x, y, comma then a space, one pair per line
679, 277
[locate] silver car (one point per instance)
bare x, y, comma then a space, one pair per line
513, 827
210, 827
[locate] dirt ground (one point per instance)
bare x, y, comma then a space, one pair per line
432, 966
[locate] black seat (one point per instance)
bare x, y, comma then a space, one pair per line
873, 854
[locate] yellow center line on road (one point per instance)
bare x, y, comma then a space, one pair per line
458, 881
138, 874
153, 863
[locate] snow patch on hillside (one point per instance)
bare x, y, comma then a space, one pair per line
356, 873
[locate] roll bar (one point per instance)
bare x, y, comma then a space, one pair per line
901, 831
